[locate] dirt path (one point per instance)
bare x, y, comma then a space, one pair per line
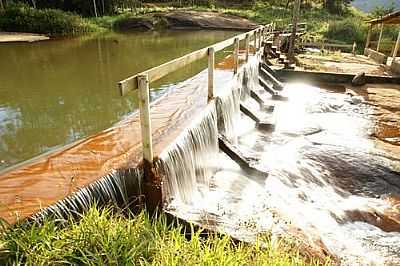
342, 63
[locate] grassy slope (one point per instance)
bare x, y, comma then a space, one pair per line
107, 238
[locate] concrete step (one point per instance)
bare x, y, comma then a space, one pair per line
267, 87
277, 85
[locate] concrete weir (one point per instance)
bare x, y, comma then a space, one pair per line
69, 179
235, 150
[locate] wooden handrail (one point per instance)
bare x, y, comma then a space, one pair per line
156, 73
142, 80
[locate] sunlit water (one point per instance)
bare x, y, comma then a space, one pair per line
327, 185
55, 92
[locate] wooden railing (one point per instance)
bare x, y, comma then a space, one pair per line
141, 81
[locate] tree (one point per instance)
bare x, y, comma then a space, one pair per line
336, 6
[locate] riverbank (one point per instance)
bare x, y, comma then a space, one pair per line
21, 37
321, 25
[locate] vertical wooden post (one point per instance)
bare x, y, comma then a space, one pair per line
236, 56
296, 14
367, 43
255, 42
145, 122
396, 47
211, 63
247, 47
380, 39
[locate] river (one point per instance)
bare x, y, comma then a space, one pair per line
55, 92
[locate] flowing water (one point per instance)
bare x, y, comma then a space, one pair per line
55, 92
328, 185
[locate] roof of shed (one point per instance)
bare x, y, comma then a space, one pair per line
392, 18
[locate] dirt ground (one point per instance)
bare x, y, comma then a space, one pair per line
342, 63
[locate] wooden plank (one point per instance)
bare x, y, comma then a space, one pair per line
171, 66
247, 47
255, 42
158, 72
368, 41
380, 38
236, 56
316, 44
211, 65
396, 47
145, 122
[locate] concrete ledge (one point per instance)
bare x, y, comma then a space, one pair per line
395, 66
330, 77
378, 57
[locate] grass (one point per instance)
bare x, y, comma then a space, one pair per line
106, 237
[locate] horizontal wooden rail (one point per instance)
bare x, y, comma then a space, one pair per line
161, 71
320, 44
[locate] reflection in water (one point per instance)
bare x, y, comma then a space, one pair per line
53, 93
327, 185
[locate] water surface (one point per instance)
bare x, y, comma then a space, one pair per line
55, 92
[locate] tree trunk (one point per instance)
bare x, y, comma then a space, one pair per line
95, 8
1, 5
296, 14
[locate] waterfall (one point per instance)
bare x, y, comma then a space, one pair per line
250, 78
228, 113
188, 163
120, 188
228, 102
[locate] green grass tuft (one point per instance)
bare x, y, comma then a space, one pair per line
105, 237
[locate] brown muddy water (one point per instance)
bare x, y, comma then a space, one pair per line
55, 92
328, 184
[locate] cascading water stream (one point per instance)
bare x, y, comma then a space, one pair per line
327, 185
121, 188
188, 163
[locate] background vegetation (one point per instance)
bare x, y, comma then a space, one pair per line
328, 20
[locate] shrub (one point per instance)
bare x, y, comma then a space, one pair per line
348, 30
22, 18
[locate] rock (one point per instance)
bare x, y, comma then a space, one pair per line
359, 80
206, 20
135, 24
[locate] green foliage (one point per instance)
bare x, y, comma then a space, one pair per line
380, 11
348, 30
105, 237
50, 21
